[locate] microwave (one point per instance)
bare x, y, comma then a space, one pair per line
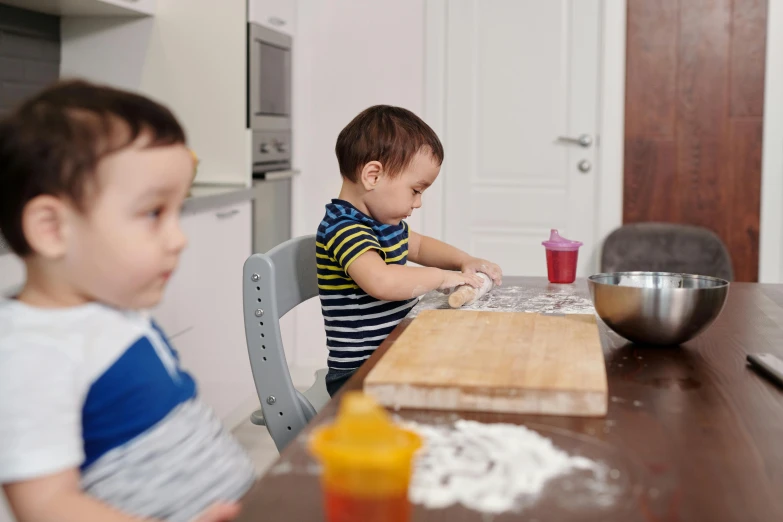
268, 79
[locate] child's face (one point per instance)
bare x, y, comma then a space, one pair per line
124, 248
395, 199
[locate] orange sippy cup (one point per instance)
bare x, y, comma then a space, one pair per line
367, 463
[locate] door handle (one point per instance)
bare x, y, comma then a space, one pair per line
227, 214
279, 22
585, 140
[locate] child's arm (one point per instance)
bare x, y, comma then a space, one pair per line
398, 282
427, 251
58, 498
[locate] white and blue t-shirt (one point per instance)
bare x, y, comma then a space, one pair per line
102, 390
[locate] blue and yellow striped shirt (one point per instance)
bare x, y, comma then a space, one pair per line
356, 323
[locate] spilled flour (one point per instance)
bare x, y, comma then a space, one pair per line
494, 468
554, 300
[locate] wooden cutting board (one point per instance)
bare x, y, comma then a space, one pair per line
494, 361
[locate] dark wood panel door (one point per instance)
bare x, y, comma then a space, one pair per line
694, 118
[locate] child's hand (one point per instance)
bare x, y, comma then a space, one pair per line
474, 264
219, 512
454, 279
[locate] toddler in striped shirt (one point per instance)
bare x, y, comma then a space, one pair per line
388, 157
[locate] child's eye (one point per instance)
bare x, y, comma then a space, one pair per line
155, 214
416, 192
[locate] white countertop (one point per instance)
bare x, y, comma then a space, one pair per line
202, 197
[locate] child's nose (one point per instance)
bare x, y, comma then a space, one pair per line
177, 239
417, 201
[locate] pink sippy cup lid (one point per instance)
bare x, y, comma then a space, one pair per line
560, 243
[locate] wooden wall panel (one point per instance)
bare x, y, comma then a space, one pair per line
648, 194
651, 68
748, 50
694, 108
743, 225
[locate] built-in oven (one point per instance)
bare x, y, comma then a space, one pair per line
269, 79
272, 210
269, 118
272, 180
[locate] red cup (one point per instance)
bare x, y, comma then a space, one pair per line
561, 257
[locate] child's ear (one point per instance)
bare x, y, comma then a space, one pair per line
370, 175
44, 226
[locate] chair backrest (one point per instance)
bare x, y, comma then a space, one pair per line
273, 284
665, 247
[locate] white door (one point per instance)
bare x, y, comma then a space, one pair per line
519, 74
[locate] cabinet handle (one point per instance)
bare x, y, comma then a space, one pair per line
227, 213
276, 21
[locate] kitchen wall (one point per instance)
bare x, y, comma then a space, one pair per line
349, 55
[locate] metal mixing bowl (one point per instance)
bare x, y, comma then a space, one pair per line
657, 308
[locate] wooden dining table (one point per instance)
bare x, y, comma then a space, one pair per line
692, 433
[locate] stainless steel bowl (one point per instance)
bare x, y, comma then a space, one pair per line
657, 308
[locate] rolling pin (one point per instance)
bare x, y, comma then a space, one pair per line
467, 295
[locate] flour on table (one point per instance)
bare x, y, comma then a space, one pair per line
558, 300
495, 468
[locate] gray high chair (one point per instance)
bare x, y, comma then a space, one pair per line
273, 284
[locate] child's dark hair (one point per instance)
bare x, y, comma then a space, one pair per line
390, 135
52, 143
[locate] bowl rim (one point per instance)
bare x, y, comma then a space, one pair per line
721, 283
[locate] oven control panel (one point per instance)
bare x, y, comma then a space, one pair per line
271, 150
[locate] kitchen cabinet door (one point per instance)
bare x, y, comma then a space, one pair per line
279, 15
206, 297
166, 314
174, 313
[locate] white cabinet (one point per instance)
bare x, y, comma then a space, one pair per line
279, 15
191, 56
108, 8
146, 7
202, 309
